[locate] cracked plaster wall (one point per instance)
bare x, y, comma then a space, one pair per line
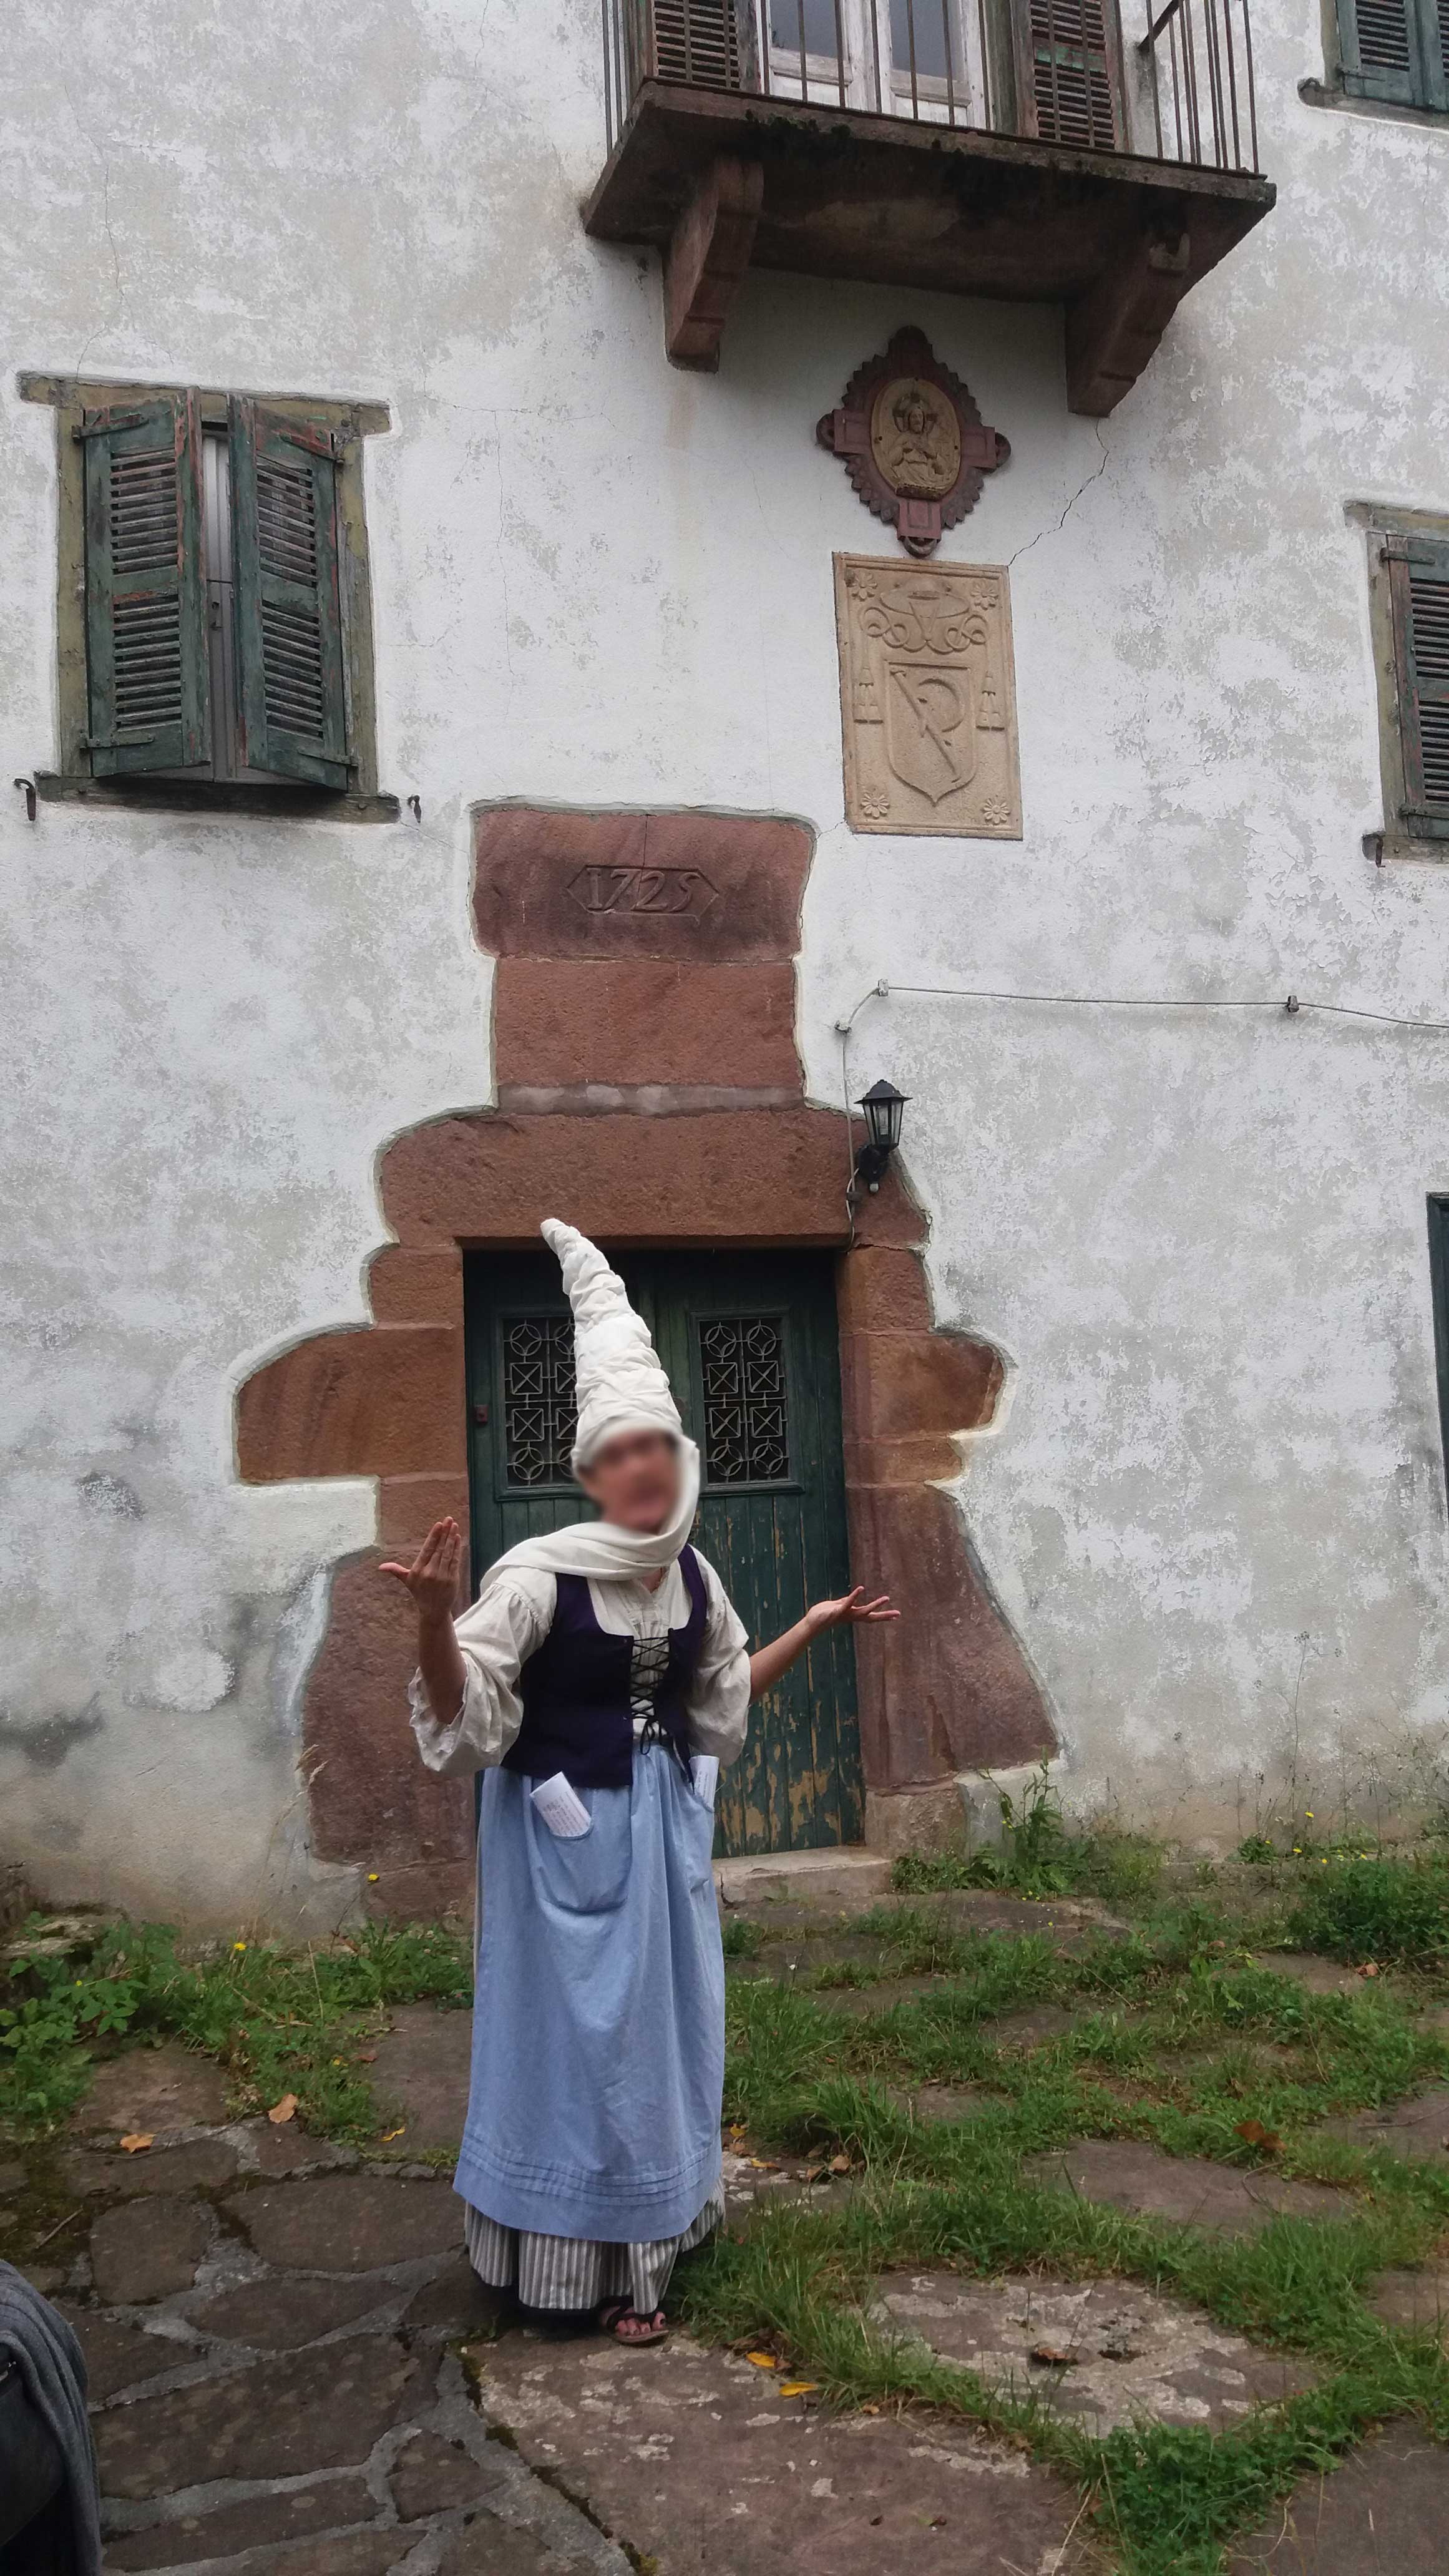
1214, 1504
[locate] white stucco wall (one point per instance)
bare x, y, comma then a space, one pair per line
1214, 1506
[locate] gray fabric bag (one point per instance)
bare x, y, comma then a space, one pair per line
47, 2461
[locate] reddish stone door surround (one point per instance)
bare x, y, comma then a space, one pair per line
649, 1091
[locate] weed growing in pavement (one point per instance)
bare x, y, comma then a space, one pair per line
279, 2020
1040, 1855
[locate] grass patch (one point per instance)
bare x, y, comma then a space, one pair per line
278, 2020
1379, 1910
1177, 2039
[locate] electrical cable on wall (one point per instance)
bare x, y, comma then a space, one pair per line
1290, 1007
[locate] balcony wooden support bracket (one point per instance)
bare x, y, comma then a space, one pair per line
708, 254
1114, 329
720, 181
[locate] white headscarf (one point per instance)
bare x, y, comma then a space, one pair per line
620, 1387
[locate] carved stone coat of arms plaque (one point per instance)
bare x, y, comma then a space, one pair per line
927, 698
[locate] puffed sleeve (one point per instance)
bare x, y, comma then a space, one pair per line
496, 1636
718, 1706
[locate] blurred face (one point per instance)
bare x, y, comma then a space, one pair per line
634, 1479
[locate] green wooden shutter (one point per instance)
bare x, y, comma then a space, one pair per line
1419, 590
292, 705
146, 652
1068, 90
1396, 50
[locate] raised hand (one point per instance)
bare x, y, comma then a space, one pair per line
767, 1663
849, 1611
432, 1578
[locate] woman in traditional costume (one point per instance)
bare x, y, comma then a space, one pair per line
598, 1681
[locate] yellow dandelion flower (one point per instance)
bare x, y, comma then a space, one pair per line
238, 1945
372, 1878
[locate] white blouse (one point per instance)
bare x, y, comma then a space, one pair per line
501, 1631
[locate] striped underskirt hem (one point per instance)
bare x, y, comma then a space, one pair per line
572, 2273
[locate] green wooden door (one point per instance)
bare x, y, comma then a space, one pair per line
749, 1341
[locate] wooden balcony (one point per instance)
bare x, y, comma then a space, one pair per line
1030, 155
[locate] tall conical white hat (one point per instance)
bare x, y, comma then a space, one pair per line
619, 1382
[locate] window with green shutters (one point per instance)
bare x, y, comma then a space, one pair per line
1396, 50
214, 610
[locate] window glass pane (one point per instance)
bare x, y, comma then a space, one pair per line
807, 22
926, 21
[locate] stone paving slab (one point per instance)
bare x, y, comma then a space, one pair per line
1224, 2200
289, 2149
349, 2222
119, 2353
759, 2182
430, 2475
201, 2164
857, 2002
258, 2523
279, 2316
1418, 2300
1416, 2128
488, 2548
148, 2249
153, 2088
1385, 2512
422, 2065
947, 2102
1032, 2027
695, 2461
1320, 1976
788, 1961
275, 2419
1105, 2351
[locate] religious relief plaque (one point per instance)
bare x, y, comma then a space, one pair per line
912, 441
927, 698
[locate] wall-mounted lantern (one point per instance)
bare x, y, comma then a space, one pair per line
884, 1109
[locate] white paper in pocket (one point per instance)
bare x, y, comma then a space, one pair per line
704, 1772
561, 1807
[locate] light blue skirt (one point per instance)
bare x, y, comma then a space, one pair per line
598, 2018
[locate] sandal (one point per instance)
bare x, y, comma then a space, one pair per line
615, 2313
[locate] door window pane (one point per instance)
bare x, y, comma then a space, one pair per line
742, 1371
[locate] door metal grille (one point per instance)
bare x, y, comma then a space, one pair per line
540, 1411
746, 1405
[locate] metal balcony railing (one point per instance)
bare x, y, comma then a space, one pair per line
1052, 71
